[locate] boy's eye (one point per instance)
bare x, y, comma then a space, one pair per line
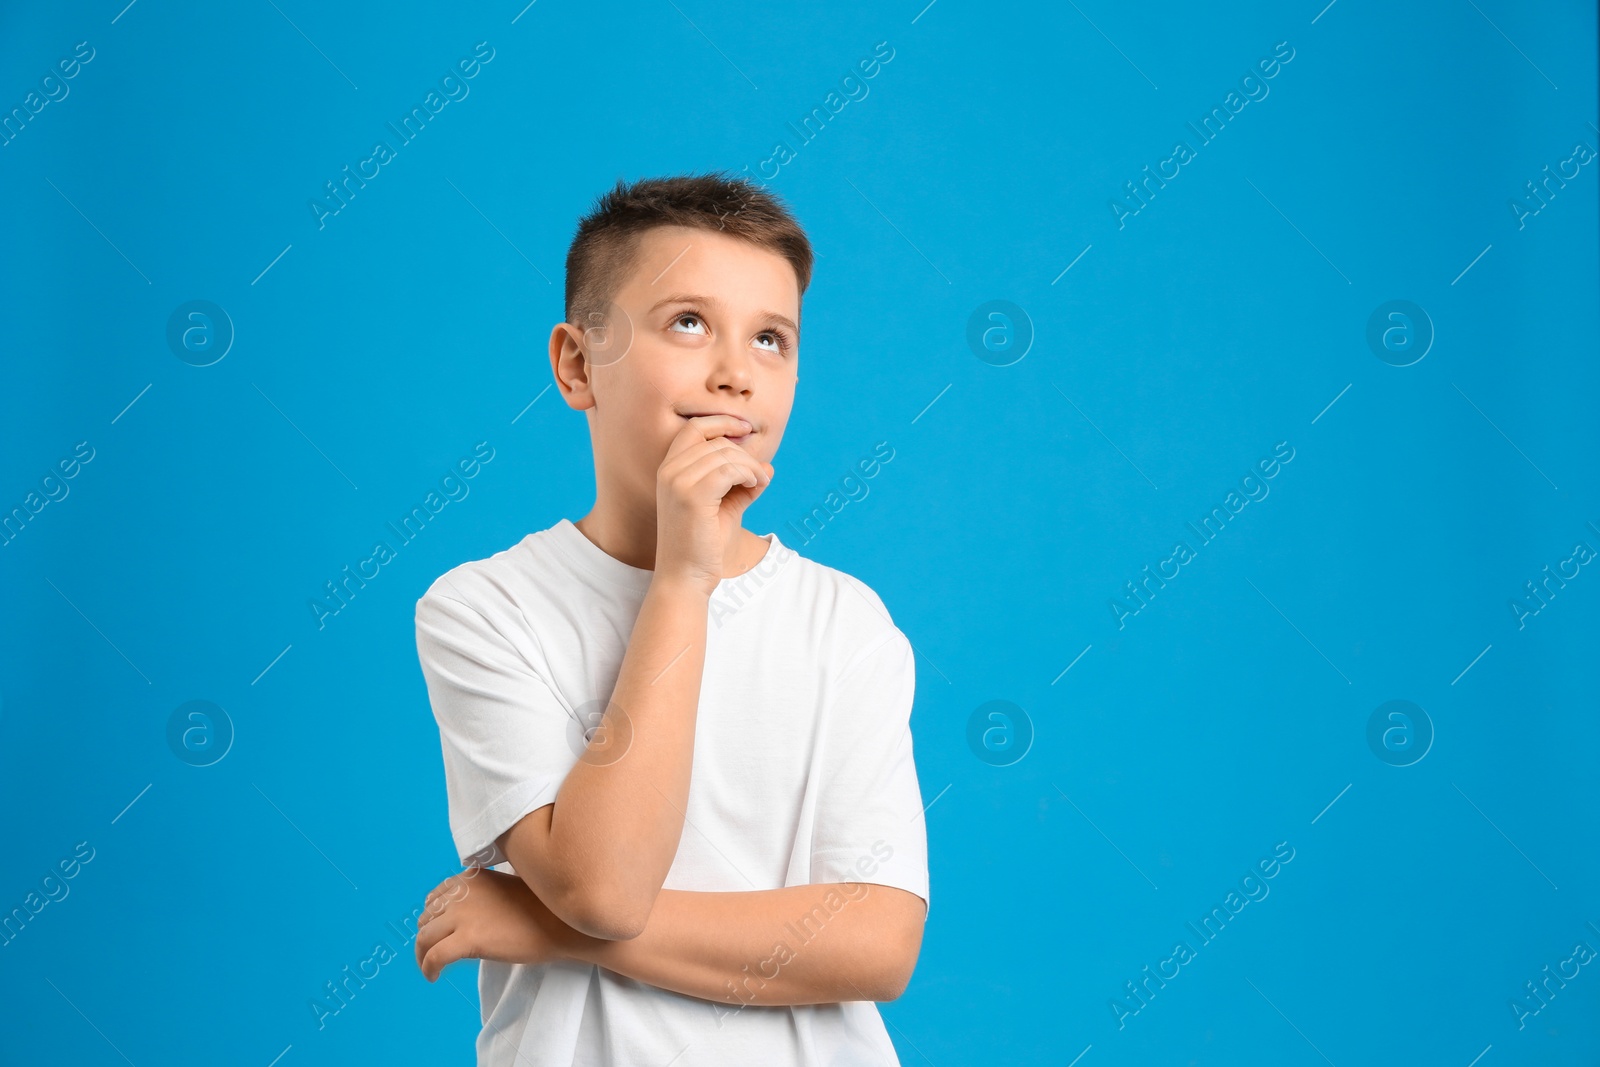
779, 341
689, 318
771, 340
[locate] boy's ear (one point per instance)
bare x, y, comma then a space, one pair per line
604, 338
570, 366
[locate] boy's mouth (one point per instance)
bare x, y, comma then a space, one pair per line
731, 437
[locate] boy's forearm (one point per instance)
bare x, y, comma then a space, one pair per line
806, 944
619, 814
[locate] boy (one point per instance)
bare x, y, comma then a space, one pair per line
689, 744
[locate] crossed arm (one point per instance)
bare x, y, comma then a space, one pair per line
590, 866
805, 944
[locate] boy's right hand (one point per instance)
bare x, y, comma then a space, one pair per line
482, 914
702, 489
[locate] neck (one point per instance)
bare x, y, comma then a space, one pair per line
628, 534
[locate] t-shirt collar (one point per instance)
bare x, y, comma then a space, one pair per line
594, 560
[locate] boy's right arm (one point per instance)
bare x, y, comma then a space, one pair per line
600, 853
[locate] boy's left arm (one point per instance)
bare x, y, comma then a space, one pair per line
807, 944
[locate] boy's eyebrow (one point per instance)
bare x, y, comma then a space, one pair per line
691, 298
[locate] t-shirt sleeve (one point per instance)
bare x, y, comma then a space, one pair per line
869, 825
507, 737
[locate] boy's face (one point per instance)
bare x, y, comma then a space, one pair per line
707, 324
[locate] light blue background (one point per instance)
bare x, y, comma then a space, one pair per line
1226, 316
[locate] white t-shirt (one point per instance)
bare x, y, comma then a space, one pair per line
803, 773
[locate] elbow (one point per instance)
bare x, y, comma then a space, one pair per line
893, 984
899, 963
590, 903
601, 916
609, 924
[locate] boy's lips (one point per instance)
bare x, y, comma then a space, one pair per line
700, 414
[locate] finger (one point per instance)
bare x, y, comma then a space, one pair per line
703, 428
740, 497
688, 456
690, 466
457, 886
433, 933
435, 904
446, 887
441, 956
722, 469
436, 892
434, 911
720, 426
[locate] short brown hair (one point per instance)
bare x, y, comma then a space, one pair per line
603, 249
